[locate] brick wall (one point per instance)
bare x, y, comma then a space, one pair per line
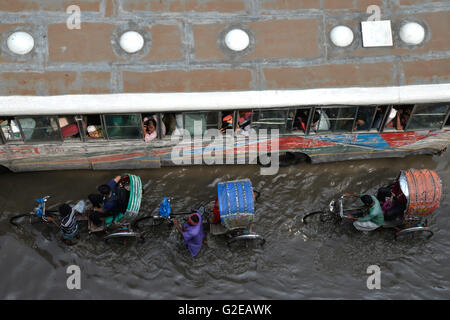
290, 46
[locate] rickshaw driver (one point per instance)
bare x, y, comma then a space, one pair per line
192, 233
374, 219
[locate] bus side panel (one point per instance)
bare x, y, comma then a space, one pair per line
4, 161
121, 155
47, 157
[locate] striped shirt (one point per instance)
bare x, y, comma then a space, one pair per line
69, 225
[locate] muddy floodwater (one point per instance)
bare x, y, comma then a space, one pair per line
297, 262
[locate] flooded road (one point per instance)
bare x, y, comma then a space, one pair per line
297, 262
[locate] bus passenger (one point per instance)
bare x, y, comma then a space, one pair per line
69, 129
374, 219
94, 132
192, 233
300, 120
321, 117
363, 119
150, 125
227, 122
244, 120
398, 118
403, 115
106, 203
150, 129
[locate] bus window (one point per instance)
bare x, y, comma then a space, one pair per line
150, 126
244, 120
41, 128
270, 119
173, 123
398, 117
93, 129
10, 129
123, 126
69, 128
428, 116
338, 119
378, 118
199, 122
364, 118
301, 119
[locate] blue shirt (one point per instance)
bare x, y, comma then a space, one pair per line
193, 236
111, 203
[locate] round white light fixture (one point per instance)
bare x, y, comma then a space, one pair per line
341, 36
237, 40
412, 33
20, 42
131, 41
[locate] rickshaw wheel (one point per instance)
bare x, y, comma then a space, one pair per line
148, 221
21, 218
412, 231
121, 236
30, 218
323, 216
245, 238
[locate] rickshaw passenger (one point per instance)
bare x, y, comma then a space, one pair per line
392, 209
216, 213
108, 197
374, 219
192, 233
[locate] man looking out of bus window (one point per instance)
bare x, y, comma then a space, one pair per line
374, 219
93, 132
106, 203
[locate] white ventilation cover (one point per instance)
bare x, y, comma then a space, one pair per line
20, 43
131, 42
377, 33
412, 33
341, 36
237, 40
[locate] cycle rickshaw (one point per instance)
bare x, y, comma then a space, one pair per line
236, 206
118, 226
418, 193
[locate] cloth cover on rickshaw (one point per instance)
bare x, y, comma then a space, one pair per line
423, 191
236, 204
134, 202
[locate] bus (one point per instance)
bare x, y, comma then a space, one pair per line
137, 140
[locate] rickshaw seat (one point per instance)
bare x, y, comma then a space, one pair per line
110, 220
